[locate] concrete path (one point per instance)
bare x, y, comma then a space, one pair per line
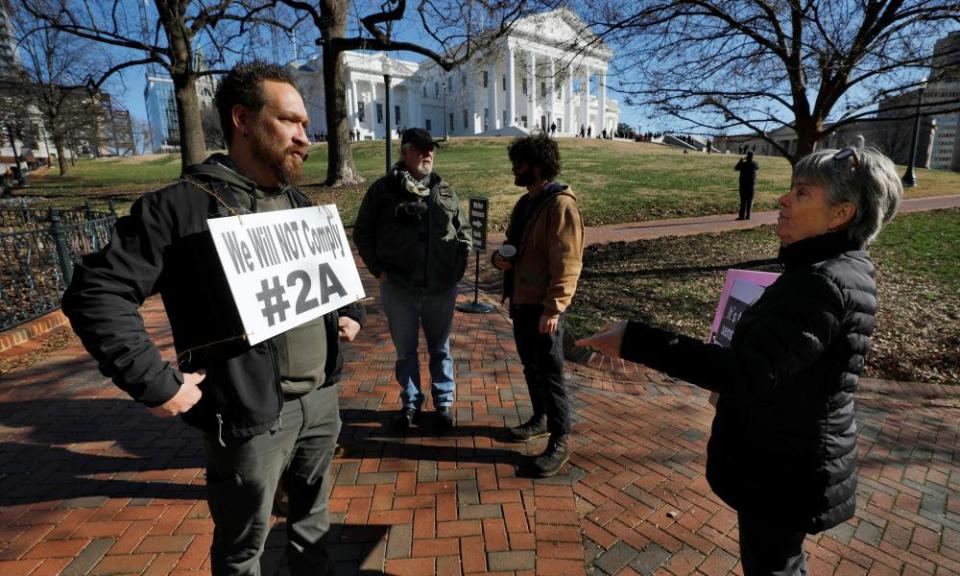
90, 483
633, 231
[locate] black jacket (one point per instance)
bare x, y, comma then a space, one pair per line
164, 246
419, 250
748, 170
783, 444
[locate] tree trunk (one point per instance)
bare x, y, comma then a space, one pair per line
192, 147
61, 161
340, 167
180, 39
808, 134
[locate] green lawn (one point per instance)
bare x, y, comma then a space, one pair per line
615, 181
676, 282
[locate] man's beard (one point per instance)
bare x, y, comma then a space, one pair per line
284, 164
525, 178
421, 171
424, 169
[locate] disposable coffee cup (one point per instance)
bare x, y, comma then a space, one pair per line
507, 251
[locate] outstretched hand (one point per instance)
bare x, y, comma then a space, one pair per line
186, 397
608, 342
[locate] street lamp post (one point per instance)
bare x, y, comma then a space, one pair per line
910, 178
387, 70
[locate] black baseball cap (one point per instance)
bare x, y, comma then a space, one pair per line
419, 138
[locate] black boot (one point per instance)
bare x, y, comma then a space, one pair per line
554, 457
405, 419
535, 427
444, 420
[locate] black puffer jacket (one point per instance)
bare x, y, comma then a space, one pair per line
784, 437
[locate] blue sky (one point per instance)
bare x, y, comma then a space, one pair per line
128, 88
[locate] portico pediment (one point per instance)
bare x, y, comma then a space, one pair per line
562, 29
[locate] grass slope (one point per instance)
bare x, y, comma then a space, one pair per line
615, 181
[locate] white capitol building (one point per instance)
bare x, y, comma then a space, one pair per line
530, 79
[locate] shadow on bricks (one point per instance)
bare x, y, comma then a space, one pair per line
361, 440
357, 549
68, 448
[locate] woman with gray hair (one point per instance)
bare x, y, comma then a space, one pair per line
782, 451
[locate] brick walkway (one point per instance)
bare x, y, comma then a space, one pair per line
90, 483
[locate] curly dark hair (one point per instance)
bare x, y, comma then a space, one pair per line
242, 85
537, 150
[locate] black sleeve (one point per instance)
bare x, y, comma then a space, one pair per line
104, 298
705, 365
365, 230
783, 342
356, 311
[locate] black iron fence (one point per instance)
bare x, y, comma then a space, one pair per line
37, 251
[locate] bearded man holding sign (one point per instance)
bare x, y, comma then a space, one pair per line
267, 410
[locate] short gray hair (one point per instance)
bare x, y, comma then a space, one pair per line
866, 178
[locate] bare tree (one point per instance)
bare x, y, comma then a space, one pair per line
49, 81
458, 30
762, 64
170, 43
142, 136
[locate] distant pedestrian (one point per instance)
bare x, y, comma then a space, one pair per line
748, 178
589, 131
604, 133
583, 131
553, 129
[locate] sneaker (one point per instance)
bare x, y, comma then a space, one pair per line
553, 458
535, 427
444, 420
404, 419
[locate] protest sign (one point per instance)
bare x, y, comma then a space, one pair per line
286, 267
741, 289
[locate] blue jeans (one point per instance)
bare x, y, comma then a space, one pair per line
406, 311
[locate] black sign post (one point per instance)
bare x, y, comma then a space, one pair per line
478, 222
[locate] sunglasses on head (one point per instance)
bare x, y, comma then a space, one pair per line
843, 155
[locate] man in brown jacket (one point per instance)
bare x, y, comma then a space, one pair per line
547, 231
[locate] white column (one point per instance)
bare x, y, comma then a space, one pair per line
511, 89
351, 106
570, 123
356, 98
493, 85
585, 99
473, 102
531, 90
413, 95
602, 101
551, 94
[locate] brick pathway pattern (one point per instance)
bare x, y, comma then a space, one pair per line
90, 483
